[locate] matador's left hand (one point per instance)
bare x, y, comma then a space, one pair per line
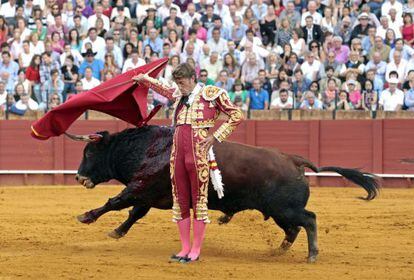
208, 142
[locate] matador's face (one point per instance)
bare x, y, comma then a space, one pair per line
185, 85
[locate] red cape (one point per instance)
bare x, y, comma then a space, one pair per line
119, 97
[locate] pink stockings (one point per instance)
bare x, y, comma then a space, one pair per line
199, 228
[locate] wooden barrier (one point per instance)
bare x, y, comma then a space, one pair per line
353, 115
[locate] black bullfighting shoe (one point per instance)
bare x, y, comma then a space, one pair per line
175, 258
188, 260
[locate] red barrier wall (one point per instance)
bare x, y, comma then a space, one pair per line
372, 145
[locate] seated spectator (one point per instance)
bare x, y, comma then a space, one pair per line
258, 98
192, 62
90, 61
380, 47
110, 65
341, 51
354, 66
224, 32
237, 30
68, 51
249, 70
399, 65
54, 85
26, 103
310, 67
378, 83
8, 106
297, 43
284, 101
354, 94
172, 64
70, 73
392, 98
204, 79
330, 94
3, 93
216, 43
273, 63
311, 102
300, 83
231, 66
208, 18
343, 102
201, 31
54, 101
268, 28
314, 87
409, 83
89, 81
377, 65
8, 70
407, 52
224, 81
57, 43
408, 99
266, 85
154, 41
175, 42
369, 97
312, 31
238, 91
329, 74
26, 55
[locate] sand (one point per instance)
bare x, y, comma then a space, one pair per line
41, 239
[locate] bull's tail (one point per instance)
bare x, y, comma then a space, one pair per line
368, 181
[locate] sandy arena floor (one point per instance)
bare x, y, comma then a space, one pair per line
41, 239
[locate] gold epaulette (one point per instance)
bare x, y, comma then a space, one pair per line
211, 92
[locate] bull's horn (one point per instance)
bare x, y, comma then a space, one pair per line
85, 138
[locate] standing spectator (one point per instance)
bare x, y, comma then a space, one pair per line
392, 98
70, 73
312, 31
258, 98
89, 81
8, 70
96, 65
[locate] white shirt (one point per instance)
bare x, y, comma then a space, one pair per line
76, 56
26, 58
391, 101
396, 26
401, 69
87, 85
188, 19
278, 103
224, 12
386, 7
310, 70
317, 18
38, 49
7, 10
220, 46
98, 46
256, 41
92, 21
164, 11
115, 13
3, 97
129, 64
32, 105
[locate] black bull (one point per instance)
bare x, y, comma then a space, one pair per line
254, 178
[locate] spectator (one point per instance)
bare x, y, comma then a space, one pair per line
98, 43
283, 35
33, 75
216, 43
377, 65
26, 55
21, 78
369, 97
172, 64
154, 41
399, 65
300, 83
380, 47
98, 14
258, 98
310, 67
266, 85
408, 29
344, 102
115, 51
89, 81
175, 19
311, 13
133, 62
96, 65
231, 66
249, 70
208, 18
361, 29
58, 27
354, 93
329, 95
224, 81
8, 70
268, 27
323, 83
408, 99
54, 101
284, 101
176, 43
70, 74
190, 15
311, 102
4, 30
190, 51
26, 103
238, 29
392, 98
409, 83
53, 85
378, 83
369, 40
165, 9
68, 51
212, 65
38, 47
57, 43
204, 79
297, 43
341, 51
238, 91
3, 93
201, 31
291, 14
224, 32
354, 66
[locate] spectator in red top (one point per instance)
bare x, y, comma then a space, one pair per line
4, 30
33, 75
107, 8
407, 29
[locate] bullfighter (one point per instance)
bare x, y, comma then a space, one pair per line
196, 109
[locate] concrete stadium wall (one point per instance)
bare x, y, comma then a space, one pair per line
372, 145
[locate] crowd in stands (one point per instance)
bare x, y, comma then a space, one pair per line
268, 55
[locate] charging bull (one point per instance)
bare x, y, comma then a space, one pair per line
254, 178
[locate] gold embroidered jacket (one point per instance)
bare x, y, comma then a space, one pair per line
203, 112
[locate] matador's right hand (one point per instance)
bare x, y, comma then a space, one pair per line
139, 78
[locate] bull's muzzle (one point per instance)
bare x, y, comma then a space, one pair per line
85, 181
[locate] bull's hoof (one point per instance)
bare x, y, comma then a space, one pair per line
312, 259
283, 248
223, 219
86, 218
115, 234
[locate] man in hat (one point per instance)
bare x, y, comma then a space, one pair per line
361, 30
96, 65
196, 110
